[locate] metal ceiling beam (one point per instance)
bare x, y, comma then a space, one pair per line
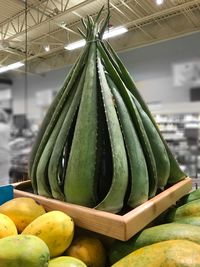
37, 44
38, 51
39, 12
138, 24
160, 40
34, 7
3, 59
151, 39
128, 44
140, 21
166, 12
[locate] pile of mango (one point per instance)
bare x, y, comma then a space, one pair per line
32, 237
173, 241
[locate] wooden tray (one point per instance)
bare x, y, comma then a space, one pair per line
121, 227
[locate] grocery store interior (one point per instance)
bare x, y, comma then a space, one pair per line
99, 133
159, 45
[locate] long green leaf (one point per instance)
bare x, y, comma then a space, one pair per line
150, 160
114, 200
139, 174
55, 114
43, 127
59, 144
158, 148
176, 174
42, 167
79, 187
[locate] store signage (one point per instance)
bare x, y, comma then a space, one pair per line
187, 73
44, 98
6, 193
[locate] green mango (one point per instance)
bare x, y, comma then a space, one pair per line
23, 251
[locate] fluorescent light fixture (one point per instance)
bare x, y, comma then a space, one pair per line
159, 2
11, 67
108, 34
47, 48
77, 14
75, 45
114, 32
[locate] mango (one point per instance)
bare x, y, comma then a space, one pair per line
194, 195
23, 251
55, 228
66, 261
189, 220
155, 234
90, 250
7, 226
22, 211
171, 253
190, 209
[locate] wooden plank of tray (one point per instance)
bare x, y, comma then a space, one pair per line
148, 211
121, 227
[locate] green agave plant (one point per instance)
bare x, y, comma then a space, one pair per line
98, 145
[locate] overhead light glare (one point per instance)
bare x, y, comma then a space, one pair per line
108, 34
77, 14
159, 2
11, 67
47, 48
75, 45
114, 32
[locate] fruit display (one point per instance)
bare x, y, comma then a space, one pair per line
48, 236
98, 135
52, 240
185, 228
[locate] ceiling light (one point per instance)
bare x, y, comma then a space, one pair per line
77, 14
108, 34
11, 67
114, 32
47, 48
75, 45
159, 2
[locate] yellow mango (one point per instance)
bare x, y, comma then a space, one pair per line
66, 261
7, 226
55, 228
22, 211
88, 249
171, 253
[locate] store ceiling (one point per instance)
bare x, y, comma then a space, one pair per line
55, 22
